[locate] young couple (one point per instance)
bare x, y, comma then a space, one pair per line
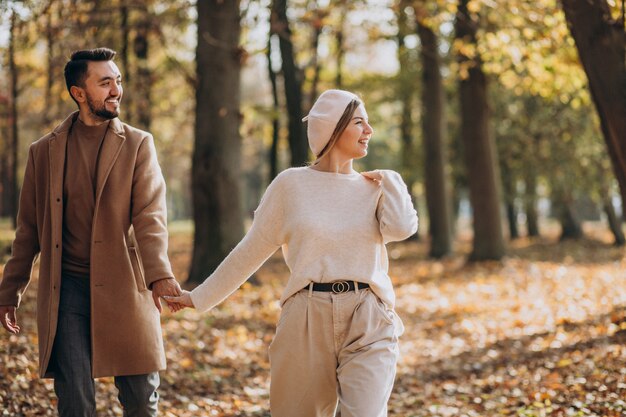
93, 205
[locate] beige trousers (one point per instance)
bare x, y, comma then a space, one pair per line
331, 348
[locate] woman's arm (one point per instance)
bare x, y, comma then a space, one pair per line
262, 240
248, 256
395, 212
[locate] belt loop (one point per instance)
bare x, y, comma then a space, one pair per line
356, 287
311, 289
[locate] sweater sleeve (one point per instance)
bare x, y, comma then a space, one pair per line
262, 240
395, 212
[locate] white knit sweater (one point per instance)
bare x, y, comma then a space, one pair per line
330, 226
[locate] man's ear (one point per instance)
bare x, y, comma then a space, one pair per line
78, 93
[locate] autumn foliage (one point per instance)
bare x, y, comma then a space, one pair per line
539, 334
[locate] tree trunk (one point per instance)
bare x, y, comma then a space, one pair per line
530, 193
143, 77
50, 73
480, 157
570, 223
10, 183
317, 31
217, 147
126, 75
405, 92
5, 155
99, 19
3, 169
433, 127
600, 42
571, 228
511, 214
530, 204
293, 87
508, 183
614, 223
532, 219
340, 53
273, 157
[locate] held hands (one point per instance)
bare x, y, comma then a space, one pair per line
163, 288
180, 302
8, 319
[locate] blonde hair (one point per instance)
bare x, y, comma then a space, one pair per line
342, 124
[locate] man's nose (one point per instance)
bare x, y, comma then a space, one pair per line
116, 90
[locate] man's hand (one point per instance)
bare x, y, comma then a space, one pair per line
167, 286
8, 319
180, 302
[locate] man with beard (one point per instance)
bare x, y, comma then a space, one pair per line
93, 206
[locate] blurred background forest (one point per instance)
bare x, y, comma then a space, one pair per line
482, 105
507, 119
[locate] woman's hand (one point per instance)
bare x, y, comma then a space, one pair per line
375, 176
177, 303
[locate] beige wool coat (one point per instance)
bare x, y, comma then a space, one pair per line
128, 248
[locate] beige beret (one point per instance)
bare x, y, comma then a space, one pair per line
324, 116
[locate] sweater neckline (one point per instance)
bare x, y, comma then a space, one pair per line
334, 174
83, 131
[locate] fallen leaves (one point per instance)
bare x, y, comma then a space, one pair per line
539, 334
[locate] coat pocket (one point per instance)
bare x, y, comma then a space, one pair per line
137, 269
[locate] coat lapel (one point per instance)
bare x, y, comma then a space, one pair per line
111, 147
57, 147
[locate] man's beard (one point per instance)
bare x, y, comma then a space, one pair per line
100, 110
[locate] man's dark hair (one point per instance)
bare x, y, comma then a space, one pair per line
76, 68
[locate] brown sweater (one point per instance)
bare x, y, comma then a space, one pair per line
83, 147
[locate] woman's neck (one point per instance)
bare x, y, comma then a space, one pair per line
332, 163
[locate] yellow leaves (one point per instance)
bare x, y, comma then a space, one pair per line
579, 101
466, 49
440, 323
186, 363
473, 6
528, 33
463, 72
239, 333
533, 43
517, 20
449, 6
549, 20
509, 80
564, 362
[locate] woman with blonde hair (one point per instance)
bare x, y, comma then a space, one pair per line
337, 337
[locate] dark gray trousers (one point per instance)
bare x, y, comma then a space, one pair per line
71, 362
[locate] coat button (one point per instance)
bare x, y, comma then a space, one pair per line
57, 245
58, 200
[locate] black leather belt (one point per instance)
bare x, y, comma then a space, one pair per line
338, 287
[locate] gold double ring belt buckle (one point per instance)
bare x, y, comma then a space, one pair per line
340, 287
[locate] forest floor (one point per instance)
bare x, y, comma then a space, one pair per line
541, 333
